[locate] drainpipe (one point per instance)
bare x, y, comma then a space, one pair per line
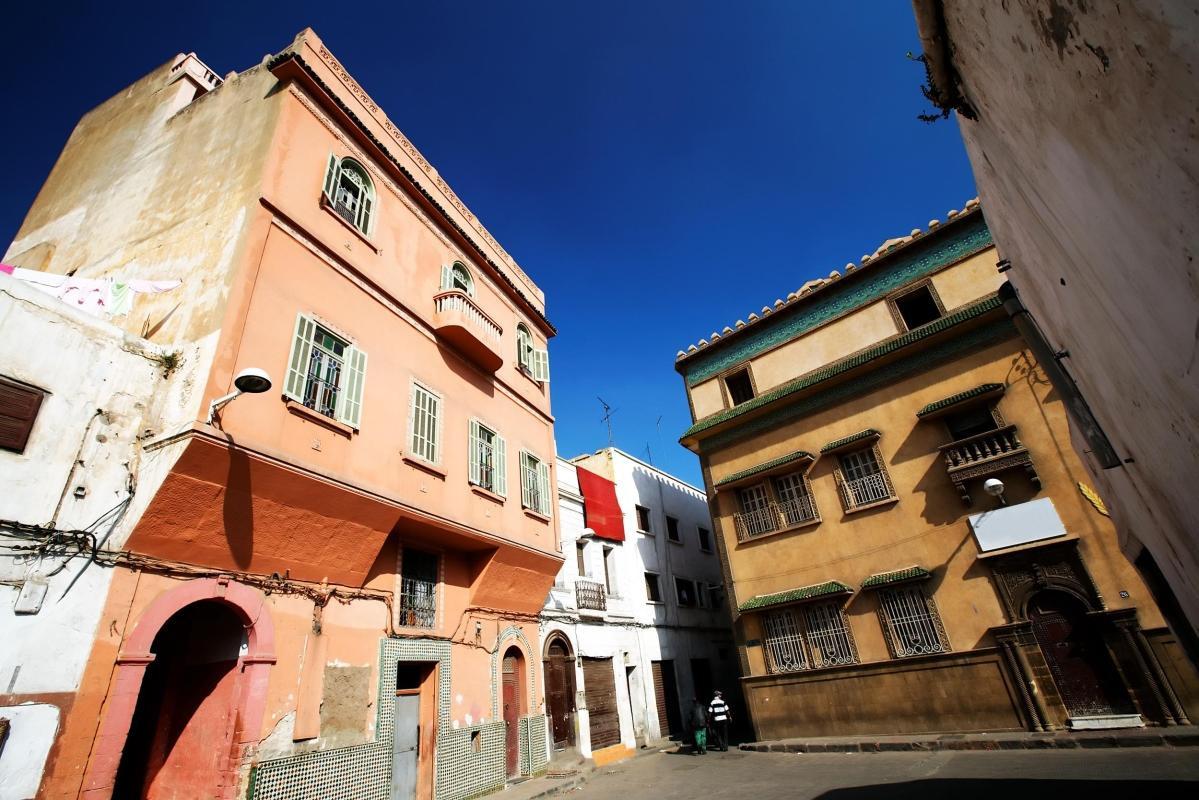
1080, 413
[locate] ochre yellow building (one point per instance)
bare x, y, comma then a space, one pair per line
849, 435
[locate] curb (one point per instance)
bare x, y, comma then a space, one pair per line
1048, 741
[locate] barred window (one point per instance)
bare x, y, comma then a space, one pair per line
809, 638
418, 589
862, 479
911, 622
488, 459
534, 483
349, 192
325, 372
426, 424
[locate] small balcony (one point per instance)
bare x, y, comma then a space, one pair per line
460, 321
775, 517
590, 595
986, 454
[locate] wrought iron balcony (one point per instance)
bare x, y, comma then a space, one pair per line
861, 492
460, 321
986, 454
775, 517
590, 595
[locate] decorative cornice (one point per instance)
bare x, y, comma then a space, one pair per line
917, 362
798, 455
853, 438
961, 397
795, 595
989, 303
815, 306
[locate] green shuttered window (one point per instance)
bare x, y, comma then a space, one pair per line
325, 372
534, 483
488, 459
425, 424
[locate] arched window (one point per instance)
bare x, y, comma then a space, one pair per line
457, 276
349, 192
524, 348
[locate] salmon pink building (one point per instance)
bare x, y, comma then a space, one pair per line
328, 587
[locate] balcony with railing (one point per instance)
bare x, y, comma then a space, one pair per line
458, 319
864, 492
986, 454
775, 517
590, 596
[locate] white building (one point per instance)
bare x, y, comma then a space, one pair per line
635, 625
77, 396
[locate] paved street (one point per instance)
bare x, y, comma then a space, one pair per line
1025, 775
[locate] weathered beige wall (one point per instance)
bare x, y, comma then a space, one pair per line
1085, 152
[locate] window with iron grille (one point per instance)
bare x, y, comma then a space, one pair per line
488, 459
418, 589
863, 480
807, 637
796, 505
325, 372
534, 483
672, 529
910, 622
426, 424
19, 405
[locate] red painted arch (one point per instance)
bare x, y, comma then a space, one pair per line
250, 696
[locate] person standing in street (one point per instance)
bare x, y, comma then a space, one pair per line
719, 716
697, 718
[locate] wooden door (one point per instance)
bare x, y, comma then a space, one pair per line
603, 713
406, 745
560, 694
512, 714
1077, 658
667, 695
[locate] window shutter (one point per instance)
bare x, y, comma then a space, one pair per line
543, 481
526, 481
297, 362
331, 176
541, 365
364, 212
476, 445
18, 410
349, 404
501, 467
447, 277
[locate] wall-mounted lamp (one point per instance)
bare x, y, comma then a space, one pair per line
995, 487
248, 381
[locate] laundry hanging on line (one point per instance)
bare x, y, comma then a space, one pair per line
100, 297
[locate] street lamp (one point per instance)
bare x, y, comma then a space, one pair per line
248, 381
994, 487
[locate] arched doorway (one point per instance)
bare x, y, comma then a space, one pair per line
1077, 658
513, 671
560, 690
181, 736
140, 649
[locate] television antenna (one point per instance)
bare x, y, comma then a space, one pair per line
607, 417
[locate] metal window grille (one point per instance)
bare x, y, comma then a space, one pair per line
532, 483
862, 479
911, 622
418, 589
484, 457
783, 643
325, 364
795, 504
590, 595
426, 410
757, 516
829, 638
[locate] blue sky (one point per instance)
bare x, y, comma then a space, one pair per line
661, 168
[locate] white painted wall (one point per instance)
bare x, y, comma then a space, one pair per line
1086, 160
634, 632
104, 391
32, 732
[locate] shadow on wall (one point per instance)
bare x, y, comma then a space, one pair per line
985, 789
238, 509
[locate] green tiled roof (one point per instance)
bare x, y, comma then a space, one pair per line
986, 388
791, 595
853, 437
883, 578
777, 462
989, 303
